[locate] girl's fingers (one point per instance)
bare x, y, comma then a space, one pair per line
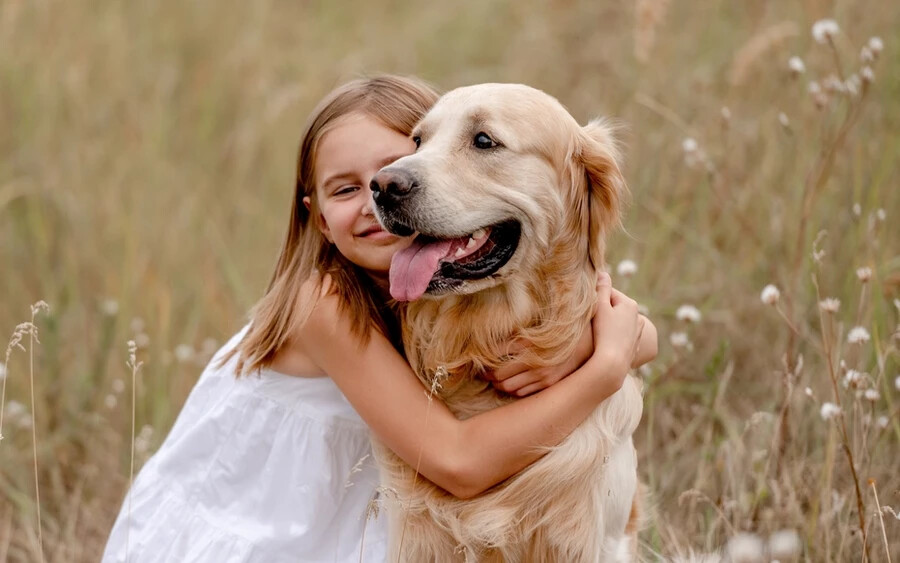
529, 389
512, 384
604, 289
507, 370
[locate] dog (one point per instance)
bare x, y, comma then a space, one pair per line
512, 201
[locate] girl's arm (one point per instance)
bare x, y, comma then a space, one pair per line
466, 457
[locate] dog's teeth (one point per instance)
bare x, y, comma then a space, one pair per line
479, 234
460, 251
470, 243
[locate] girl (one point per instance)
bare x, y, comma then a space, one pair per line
277, 467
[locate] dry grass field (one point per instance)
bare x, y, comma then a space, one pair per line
146, 169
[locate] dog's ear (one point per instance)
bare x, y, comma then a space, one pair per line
604, 191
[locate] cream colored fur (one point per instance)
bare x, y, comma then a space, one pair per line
563, 184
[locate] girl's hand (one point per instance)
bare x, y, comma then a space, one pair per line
617, 329
519, 379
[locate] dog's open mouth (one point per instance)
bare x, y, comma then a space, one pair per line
438, 264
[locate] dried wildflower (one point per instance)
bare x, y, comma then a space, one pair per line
40, 306
897, 383
830, 304
867, 74
832, 83
626, 268
866, 55
770, 295
881, 214
110, 401
142, 340
15, 410
118, 385
829, 411
137, 324
132, 356
795, 64
357, 467
688, 313
864, 274
814, 88
857, 209
817, 255
680, 340
858, 335
872, 395
784, 545
184, 353
689, 145
853, 378
875, 45
808, 392
109, 307
2, 371
783, 119
824, 31
882, 421
745, 548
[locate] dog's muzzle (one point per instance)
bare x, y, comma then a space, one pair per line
391, 190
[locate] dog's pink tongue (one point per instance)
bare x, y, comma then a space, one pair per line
413, 267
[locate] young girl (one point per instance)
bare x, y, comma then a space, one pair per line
276, 466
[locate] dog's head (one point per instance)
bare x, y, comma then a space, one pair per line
503, 175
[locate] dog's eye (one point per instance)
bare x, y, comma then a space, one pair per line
418, 141
482, 141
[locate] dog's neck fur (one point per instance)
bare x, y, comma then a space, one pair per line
452, 340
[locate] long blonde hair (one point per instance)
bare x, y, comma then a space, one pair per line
399, 103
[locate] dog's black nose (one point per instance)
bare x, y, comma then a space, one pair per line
392, 185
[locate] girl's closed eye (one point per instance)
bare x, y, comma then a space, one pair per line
343, 190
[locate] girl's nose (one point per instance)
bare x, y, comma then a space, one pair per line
367, 207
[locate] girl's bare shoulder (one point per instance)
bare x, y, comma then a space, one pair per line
292, 357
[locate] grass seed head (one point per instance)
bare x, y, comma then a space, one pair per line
875, 45
745, 548
829, 411
784, 545
688, 313
824, 31
770, 295
830, 305
680, 340
626, 268
858, 335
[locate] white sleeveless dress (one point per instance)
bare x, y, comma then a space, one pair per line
266, 469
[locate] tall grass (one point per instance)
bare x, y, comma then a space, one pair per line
146, 163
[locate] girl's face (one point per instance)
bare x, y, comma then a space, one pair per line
348, 156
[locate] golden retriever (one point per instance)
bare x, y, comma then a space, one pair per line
512, 200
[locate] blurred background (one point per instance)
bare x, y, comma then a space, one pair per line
146, 172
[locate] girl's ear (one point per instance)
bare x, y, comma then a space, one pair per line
321, 224
598, 154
